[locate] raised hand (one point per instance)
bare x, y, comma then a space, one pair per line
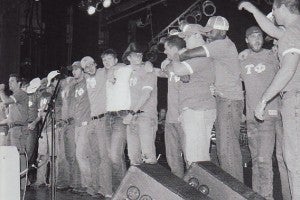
246, 6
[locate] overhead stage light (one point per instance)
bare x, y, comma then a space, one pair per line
91, 10
106, 3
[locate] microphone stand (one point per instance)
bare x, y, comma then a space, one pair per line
51, 113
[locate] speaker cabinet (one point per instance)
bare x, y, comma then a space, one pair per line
209, 178
154, 182
9, 173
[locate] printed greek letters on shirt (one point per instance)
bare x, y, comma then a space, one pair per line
258, 68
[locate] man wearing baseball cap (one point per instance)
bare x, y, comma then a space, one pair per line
228, 92
197, 106
67, 125
97, 136
286, 81
258, 70
82, 117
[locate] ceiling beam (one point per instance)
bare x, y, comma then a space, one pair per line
124, 6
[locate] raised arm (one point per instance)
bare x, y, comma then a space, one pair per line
6, 99
265, 24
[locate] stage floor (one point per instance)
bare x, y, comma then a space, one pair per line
45, 193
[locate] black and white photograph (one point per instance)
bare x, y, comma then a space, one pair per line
150, 99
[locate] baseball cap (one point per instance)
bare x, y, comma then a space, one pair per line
51, 75
217, 22
132, 47
87, 60
75, 65
190, 29
33, 85
253, 29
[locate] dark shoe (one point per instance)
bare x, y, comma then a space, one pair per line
98, 196
62, 188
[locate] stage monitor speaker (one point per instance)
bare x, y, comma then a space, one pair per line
154, 182
219, 185
9, 173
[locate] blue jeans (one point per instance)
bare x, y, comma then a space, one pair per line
100, 162
73, 174
83, 153
116, 132
291, 139
229, 115
141, 139
261, 139
174, 141
285, 187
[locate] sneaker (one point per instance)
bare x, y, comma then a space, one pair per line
98, 196
78, 190
90, 191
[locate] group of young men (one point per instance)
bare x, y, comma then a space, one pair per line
101, 110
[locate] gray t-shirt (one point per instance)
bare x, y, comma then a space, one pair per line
258, 70
225, 57
82, 109
18, 111
194, 89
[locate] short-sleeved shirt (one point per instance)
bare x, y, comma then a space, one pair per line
82, 111
290, 42
18, 111
258, 70
173, 98
225, 57
97, 92
68, 101
32, 106
194, 89
118, 93
139, 81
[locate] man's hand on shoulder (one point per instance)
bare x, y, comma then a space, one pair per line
244, 54
148, 66
164, 64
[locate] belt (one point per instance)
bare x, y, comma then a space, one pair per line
137, 112
12, 125
63, 122
69, 120
123, 112
119, 113
98, 116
